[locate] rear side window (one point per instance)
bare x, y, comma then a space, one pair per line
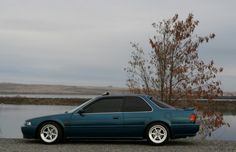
135, 104
105, 105
162, 104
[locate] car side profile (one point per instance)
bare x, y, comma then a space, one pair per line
115, 117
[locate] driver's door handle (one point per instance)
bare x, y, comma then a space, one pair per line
116, 117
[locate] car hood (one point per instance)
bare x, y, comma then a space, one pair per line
56, 117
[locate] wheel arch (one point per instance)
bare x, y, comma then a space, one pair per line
158, 121
48, 121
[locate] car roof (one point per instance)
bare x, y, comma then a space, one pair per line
125, 95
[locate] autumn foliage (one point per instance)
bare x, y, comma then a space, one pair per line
171, 69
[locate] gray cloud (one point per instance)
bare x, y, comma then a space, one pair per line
87, 42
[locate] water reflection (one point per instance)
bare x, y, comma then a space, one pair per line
0, 132
25, 95
225, 132
12, 118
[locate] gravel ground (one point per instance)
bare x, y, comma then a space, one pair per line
21, 145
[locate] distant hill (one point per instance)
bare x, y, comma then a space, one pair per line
14, 88
11, 88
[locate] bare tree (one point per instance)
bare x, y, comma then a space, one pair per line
172, 70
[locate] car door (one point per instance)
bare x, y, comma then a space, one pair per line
136, 114
101, 118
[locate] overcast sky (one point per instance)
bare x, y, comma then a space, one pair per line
87, 42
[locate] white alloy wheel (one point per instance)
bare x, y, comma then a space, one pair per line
49, 133
157, 134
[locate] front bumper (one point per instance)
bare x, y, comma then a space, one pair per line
28, 132
184, 130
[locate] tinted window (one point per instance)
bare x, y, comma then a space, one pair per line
162, 104
133, 104
105, 105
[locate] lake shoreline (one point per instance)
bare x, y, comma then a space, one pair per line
220, 106
42, 101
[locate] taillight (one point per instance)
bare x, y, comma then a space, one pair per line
193, 117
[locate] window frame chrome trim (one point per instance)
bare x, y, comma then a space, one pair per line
117, 112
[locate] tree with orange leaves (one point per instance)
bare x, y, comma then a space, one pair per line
172, 71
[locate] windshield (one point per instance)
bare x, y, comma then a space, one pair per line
74, 109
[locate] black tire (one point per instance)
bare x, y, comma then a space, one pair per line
163, 133
56, 130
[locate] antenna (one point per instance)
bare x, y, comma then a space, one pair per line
106, 93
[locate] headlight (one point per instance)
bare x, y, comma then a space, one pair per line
27, 123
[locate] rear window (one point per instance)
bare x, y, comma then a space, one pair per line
162, 104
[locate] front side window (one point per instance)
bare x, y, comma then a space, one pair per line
105, 105
135, 104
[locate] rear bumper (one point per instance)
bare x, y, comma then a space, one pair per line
28, 132
184, 130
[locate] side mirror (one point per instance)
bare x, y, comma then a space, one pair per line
81, 111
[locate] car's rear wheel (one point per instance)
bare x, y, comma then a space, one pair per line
157, 134
50, 133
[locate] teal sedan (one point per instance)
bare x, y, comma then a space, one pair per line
115, 117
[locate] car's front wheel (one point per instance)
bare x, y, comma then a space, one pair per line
157, 133
50, 133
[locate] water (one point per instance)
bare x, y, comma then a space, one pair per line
12, 118
48, 95
225, 132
